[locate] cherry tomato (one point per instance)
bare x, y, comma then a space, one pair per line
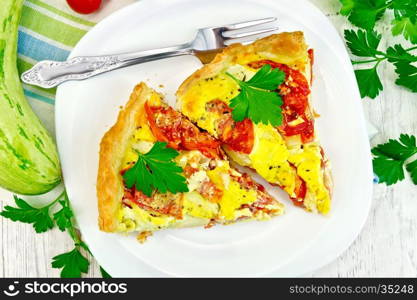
84, 6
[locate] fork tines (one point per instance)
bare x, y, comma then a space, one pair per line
234, 31
250, 23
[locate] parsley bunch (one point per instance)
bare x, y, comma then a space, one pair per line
72, 263
365, 44
391, 158
365, 13
257, 99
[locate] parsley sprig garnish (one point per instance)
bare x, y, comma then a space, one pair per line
365, 44
156, 170
25, 213
258, 99
72, 263
365, 13
390, 158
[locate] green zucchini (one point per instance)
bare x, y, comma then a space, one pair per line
29, 162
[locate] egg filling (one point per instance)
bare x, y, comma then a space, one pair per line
278, 158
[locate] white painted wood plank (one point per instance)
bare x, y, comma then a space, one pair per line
23, 253
387, 245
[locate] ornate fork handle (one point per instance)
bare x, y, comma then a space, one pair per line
48, 74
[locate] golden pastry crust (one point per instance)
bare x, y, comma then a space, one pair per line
112, 149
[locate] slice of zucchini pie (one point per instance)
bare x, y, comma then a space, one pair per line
256, 100
157, 170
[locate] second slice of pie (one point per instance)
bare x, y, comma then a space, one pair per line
256, 100
158, 170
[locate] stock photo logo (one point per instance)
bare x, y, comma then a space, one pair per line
12, 290
34, 287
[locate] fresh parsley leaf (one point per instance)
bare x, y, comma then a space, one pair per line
412, 169
240, 105
407, 75
400, 149
63, 216
25, 213
364, 13
258, 99
267, 78
404, 26
405, 22
389, 159
347, 6
397, 54
104, 274
405, 8
72, 263
369, 83
388, 170
257, 105
363, 43
155, 170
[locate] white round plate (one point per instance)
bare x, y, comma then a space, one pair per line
291, 245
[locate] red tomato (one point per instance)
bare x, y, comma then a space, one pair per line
305, 129
84, 6
239, 136
158, 203
170, 126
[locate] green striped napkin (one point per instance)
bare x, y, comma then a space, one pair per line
49, 30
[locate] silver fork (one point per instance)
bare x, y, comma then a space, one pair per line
48, 74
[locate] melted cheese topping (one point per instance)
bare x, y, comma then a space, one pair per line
132, 219
195, 205
234, 195
308, 162
270, 158
144, 133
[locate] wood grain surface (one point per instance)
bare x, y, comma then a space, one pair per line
387, 245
